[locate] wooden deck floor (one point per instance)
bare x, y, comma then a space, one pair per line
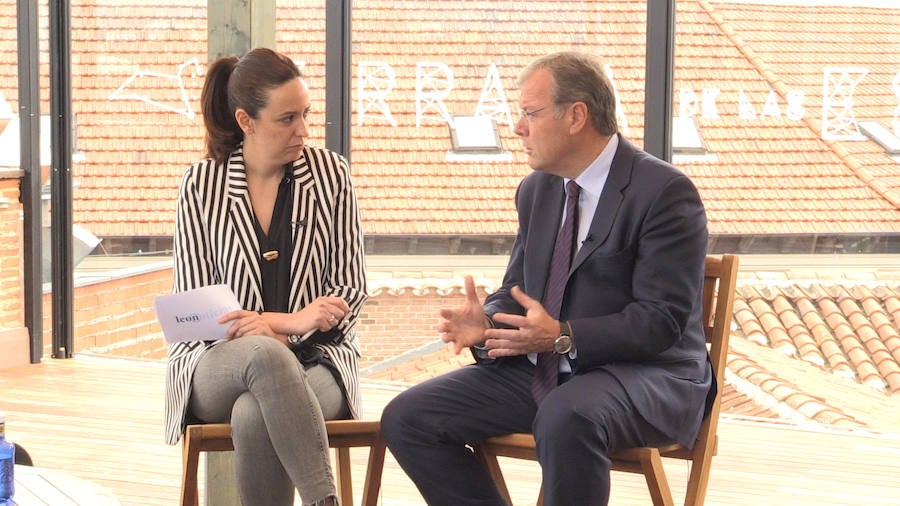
101, 420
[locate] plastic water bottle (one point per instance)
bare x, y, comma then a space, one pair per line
7, 461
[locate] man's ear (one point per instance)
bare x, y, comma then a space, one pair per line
244, 121
579, 118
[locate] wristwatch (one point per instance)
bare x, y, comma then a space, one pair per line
294, 340
564, 343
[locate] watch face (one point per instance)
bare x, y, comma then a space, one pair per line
563, 344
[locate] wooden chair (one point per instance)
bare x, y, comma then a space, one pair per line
342, 435
721, 276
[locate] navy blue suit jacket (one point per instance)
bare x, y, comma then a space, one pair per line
633, 297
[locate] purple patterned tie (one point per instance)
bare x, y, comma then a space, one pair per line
546, 374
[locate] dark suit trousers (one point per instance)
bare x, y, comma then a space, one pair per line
428, 427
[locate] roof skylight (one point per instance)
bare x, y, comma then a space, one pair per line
878, 133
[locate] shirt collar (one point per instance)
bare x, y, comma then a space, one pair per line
594, 176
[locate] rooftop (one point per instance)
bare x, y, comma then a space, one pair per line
784, 153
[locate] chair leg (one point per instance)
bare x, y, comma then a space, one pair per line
374, 472
655, 474
343, 475
493, 466
698, 480
190, 456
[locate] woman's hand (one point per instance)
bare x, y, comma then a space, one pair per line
323, 314
247, 323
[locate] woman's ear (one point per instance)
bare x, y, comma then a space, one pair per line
244, 121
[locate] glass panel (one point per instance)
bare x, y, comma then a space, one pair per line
137, 73
795, 104
419, 66
300, 34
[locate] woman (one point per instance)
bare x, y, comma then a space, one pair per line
277, 221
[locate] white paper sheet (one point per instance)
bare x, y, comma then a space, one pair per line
192, 315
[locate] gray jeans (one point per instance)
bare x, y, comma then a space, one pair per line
277, 410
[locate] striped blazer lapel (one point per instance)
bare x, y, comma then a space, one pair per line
241, 221
303, 224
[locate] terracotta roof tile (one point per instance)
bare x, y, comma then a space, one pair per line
824, 338
748, 322
736, 403
799, 334
891, 302
777, 335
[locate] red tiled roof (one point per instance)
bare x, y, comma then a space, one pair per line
832, 327
774, 393
768, 175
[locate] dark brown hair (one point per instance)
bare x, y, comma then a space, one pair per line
233, 83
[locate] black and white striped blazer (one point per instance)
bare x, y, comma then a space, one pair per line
215, 243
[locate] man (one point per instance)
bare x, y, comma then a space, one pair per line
619, 321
